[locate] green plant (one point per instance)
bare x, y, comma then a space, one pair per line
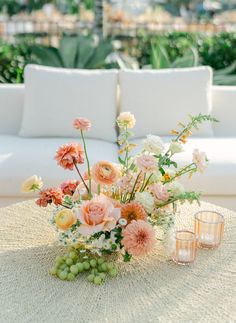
12, 61
160, 57
80, 52
225, 76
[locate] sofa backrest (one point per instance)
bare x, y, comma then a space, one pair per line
11, 108
12, 101
224, 109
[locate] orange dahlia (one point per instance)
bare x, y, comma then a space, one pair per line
133, 211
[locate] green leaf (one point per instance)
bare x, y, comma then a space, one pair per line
68, 51
97, 60
190, 59
85, 50
121, 161
159, 56
225, 71
48, 56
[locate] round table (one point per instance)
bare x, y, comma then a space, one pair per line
151, 289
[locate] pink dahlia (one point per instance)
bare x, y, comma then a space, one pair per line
50, 195
69, 187
138, 238
82, 124
69, 154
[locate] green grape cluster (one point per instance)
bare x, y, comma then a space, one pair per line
69, 266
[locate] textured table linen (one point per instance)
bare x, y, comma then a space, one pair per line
151, 289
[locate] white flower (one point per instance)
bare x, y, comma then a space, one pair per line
122, 221
175, 147
153, 144
146, 200
126, 119
32, 184
176, 188
200, 160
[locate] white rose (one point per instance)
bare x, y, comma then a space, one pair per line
200, 160
126, 119
153, 144
176, 188
175, 147
32, 184
146, 200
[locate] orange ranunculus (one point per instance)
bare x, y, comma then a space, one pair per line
105, 173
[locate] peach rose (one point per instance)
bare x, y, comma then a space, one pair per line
65, 219
97, 215
105, 173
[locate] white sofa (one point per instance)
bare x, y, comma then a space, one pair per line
21, 157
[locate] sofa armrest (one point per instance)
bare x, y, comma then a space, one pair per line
224, 109
11, 107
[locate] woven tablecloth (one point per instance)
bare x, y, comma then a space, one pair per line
152, 289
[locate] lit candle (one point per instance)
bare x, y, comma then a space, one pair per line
184, 255
207, 238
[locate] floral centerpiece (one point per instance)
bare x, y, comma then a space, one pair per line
114, 208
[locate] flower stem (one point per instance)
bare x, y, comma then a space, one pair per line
88, 165
81, 177
136, 181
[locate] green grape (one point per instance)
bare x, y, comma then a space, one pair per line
104, 266
102, 275
59, 259
63, 266
86, 265
73, 255
109, 266
93, 263
100, 269
74, 269
70, 276
58, 272
80, 267
94, 271
101, 260
113, 272
63, 275
53, 271
90, 278
69, 261
97, 280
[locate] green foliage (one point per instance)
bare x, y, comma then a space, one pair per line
74, 52
12, 62
161, 59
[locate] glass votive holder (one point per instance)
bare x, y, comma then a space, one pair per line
209, 228
184, 247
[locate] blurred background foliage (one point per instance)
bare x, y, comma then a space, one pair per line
164, 51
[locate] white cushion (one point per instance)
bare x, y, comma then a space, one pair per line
159, 99
220, 176
23, 157
55, 97
224, 109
